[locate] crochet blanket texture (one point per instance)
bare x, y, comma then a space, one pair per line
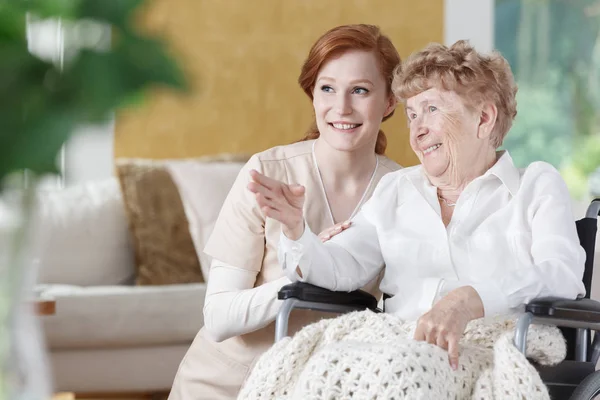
364, 355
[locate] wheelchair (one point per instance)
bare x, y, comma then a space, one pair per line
575, 378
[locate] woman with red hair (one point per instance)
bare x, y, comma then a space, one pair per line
347, 75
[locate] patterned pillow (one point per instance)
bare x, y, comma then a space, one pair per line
164, 250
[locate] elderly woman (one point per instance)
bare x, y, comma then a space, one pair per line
463, 235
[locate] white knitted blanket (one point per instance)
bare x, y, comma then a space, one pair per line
363, 355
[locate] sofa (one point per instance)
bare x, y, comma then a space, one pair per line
110, 333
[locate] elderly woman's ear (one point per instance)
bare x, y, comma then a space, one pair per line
487, 120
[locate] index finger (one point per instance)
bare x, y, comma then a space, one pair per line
453, 351
420, 333
264, 180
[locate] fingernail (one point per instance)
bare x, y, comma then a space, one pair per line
454, 365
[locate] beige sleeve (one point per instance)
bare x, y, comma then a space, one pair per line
238, 237
233, 306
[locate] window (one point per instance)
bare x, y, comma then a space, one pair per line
553, 47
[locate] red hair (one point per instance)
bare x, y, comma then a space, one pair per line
339, 40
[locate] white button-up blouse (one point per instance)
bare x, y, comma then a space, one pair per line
512, 238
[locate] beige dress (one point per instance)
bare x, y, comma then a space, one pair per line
244, 240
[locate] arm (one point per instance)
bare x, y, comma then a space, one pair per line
233, 306
238, 237
557, 258
346, 262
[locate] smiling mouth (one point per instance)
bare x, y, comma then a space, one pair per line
431, 149
344, 127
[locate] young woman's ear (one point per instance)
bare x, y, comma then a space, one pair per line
391, 105
487, 120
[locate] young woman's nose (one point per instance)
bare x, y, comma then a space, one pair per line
343, 104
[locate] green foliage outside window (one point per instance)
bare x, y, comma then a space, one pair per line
553, 47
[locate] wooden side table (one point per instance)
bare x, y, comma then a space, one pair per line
44, 306
63, 396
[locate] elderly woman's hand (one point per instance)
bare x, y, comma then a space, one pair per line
280, 201
330, 232
445, 323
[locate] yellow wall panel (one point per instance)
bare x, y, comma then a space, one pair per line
243, 59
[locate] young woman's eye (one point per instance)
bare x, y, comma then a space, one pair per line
360, 90
412, 116
432, 108
326, 89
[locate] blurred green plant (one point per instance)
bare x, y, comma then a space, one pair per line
41, 104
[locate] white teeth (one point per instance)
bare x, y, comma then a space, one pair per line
345, 126
432, 148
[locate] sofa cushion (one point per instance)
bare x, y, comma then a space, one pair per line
164, 250
139, 370
81, 235
203, 186
122, 316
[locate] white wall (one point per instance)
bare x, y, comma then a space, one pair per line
88, 154
472, 20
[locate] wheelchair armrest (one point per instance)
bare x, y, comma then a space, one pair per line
581, 310
311, 293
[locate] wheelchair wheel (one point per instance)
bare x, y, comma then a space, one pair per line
588, 389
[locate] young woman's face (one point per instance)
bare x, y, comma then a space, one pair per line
350, 100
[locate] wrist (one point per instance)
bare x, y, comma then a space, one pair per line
471, 301
295, 232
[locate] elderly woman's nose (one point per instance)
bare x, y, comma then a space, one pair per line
421, 130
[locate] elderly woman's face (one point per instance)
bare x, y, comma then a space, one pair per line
443, 131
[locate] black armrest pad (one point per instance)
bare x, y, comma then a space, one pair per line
580, 310
307, 292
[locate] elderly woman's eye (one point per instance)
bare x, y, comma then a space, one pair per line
412, 115
326, 89
432, 108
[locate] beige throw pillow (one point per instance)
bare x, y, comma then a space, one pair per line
203, 185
